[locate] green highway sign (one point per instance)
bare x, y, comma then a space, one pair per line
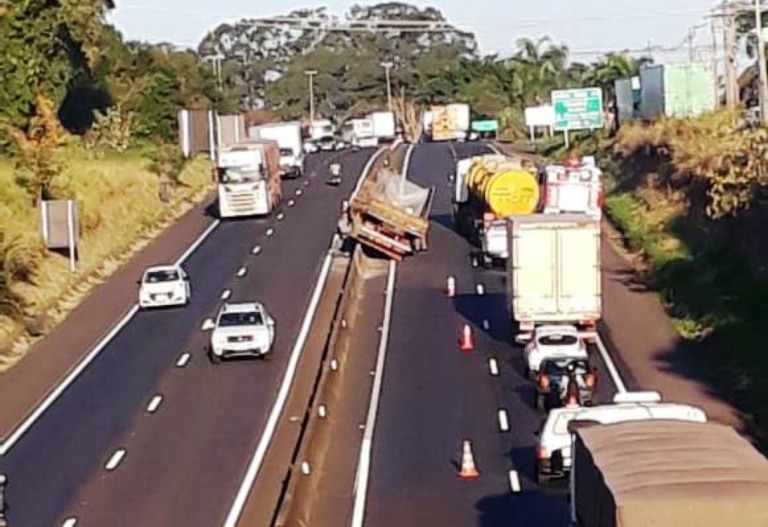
489, 125
578, 109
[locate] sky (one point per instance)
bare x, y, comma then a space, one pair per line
588, 27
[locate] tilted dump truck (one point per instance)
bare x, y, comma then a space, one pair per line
666, 473
391, 215
487, 189
553, 271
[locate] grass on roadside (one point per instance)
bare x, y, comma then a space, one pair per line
717, 304
119, 211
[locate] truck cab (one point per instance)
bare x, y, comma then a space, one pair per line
573, 188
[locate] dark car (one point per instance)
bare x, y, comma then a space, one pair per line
327, 143
565, 380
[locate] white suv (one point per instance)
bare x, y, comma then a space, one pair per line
164, 285
553, 453
553, 342
243, 329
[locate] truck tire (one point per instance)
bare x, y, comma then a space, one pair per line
542, 480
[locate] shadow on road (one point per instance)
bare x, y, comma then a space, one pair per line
489, 306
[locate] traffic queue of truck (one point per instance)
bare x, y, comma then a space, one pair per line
632, 461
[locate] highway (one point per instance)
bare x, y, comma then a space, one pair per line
434, 396
182, 462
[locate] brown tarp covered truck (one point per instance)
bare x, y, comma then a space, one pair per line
667, 474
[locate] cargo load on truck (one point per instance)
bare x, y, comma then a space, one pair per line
391, 215
449, 123
488, 188
288, 138
553, 271
248, 178
666, 473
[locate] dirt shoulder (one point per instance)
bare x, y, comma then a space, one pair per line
23, 387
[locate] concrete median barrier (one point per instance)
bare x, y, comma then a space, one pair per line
303, 490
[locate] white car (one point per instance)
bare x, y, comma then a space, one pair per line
164, 285
553, 453
242, 329
555, 341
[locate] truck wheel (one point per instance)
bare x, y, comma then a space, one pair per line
542, 480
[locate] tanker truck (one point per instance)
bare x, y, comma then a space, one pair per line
487, 189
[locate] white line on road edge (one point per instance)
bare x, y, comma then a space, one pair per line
282, 396
614, 373
364, 463
226, 294
154, 404
183, 360
69, 522
514, 481
115, 460
89, 357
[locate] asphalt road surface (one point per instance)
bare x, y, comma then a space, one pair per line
184, 462
435, 396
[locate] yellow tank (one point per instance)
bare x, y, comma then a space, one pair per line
503, 185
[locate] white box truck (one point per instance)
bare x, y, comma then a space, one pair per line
288, 139
383, 126
553, 271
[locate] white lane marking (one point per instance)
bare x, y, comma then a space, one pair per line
480, 289
269, 429
514, 481
256, 249
306, 469
30, 420
291, 202
493, 366
69, 522
282, 396
503, 420
226, 294
322, 411
270, 231
115, 460
298, 192
486, 324
183, 360
154, 404
364, 462
612, 371
241, 272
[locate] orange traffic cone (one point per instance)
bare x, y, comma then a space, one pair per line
466, 341
450, 288
468, 468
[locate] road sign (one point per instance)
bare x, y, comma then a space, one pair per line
578, 109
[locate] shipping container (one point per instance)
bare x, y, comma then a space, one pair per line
676, 90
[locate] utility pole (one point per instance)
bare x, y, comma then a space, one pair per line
729, 38
311, 74
715, 77
387, 66
761, 63
691, 36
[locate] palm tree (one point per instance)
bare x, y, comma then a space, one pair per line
536, 69
612, 67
